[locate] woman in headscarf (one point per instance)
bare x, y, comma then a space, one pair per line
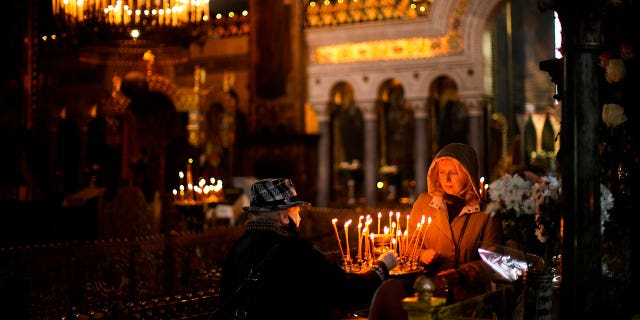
458, 226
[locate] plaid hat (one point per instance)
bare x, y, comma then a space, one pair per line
273, 194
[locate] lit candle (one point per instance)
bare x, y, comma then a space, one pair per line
346, 237
379, 216
365, 233
412, 241
189, 176
424, 234
405, 240
390, 217
398, 219
360, 240
407, 228
486, 188
333, 222
371, 236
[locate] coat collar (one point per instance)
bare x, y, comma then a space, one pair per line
438, 203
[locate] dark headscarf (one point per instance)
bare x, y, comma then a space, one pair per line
465, 155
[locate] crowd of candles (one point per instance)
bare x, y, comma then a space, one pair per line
202, 192
373, 242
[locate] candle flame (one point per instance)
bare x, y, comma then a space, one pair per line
334, 220
346, 224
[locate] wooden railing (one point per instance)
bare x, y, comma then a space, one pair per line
62, 279
173, 274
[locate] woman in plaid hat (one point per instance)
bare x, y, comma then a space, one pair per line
272, 273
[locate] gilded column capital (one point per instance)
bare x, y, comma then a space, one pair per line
419, 107
368, 108
475, 104
322, 110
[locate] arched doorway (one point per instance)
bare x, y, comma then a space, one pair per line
449, 117
347, 153
396, 143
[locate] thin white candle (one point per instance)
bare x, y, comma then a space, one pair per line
424, 234
411, 243
346, 237
359, 257
333, 222
379, 217
365, 233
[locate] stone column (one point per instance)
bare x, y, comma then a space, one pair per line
579, 161
371, 162
422, 140
476, 105
324, 153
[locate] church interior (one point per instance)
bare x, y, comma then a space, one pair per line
132, 131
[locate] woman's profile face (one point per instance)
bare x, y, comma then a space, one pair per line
294, 214
453, 181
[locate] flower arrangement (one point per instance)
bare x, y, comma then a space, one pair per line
531, 213
510, 201
546, 194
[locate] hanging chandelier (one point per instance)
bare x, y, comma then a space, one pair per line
119, 31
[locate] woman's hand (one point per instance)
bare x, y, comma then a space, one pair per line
450, 276
428, 256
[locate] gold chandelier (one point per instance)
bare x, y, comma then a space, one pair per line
117, 31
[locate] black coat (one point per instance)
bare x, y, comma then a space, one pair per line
297, 281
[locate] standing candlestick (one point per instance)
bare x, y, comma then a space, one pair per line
333, 221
